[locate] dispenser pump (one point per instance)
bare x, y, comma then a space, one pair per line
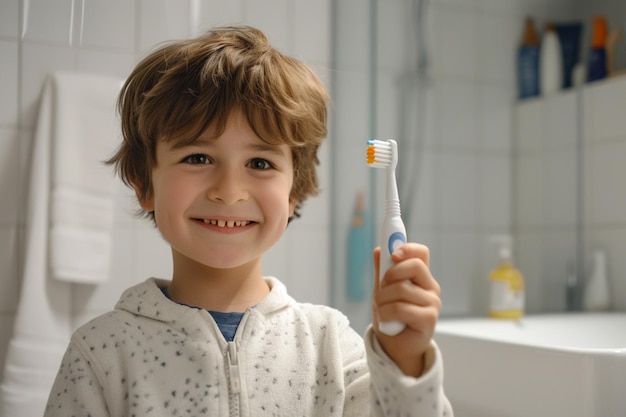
505, 248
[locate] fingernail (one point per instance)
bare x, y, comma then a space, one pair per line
398, 252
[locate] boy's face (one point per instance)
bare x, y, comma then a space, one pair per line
222, 202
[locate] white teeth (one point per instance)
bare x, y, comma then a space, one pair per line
226, 223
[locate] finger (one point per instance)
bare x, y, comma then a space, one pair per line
407, 292
414, 270
416, 317
412, 250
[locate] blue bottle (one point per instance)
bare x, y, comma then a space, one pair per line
569, 38
528, 62
596, 60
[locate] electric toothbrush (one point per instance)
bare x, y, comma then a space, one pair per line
384, 154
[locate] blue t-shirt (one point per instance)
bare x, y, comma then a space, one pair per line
227, 322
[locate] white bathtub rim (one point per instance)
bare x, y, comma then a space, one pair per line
454, 328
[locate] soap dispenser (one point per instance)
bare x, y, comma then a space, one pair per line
506, 283
596, 295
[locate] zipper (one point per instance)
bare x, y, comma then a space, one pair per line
233, 369
233, 372
234, 380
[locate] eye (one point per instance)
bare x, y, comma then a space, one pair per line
260, 164
197, 159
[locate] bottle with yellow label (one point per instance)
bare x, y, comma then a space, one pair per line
506, 283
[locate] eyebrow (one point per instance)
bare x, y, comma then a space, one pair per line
266, 147
257, 146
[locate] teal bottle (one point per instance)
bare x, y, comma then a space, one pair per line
359, 259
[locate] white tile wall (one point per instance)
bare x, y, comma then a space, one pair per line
547, 189
458, 182
494, 193
494, 40
162, 20
310, 41
9, 18
494, 120
273, 17
457, 115
109, 37
97, 19
475, 188
456, 277
37, 18
560, 198
456, 42
605, 195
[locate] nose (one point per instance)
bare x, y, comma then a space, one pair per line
227, 186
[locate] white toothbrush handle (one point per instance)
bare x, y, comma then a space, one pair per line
393, 236
392, 328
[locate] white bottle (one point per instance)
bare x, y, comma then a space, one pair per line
597, 297
550, 62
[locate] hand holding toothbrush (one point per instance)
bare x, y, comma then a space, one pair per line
406, 297
409, 294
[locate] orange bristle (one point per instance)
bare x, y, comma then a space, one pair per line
371, 154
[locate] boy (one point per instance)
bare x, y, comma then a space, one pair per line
220, 141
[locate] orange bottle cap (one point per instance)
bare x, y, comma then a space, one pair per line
600, 32
530, 33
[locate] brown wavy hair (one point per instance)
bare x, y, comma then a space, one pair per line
182, 87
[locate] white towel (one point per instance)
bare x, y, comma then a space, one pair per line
68, 230
83, 189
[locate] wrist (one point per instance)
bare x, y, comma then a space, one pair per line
414, 366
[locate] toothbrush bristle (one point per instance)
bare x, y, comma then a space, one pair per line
378, 153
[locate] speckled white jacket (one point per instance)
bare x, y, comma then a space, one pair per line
153, 357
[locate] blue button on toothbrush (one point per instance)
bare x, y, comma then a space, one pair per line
384, 154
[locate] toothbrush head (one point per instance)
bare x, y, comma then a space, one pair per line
382, 153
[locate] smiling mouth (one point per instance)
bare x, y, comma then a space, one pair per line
227, 223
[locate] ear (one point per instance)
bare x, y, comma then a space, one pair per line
292, 206
145, 202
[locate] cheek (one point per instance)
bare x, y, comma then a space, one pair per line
170, 192
277, 197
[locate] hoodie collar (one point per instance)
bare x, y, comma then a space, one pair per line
146, 299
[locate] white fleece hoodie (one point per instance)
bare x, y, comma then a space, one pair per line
153, 357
